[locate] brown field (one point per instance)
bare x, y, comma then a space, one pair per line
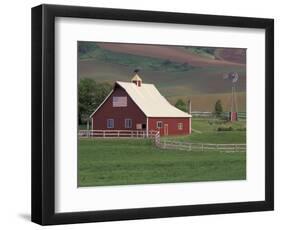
206, 102
166, 52
232, 55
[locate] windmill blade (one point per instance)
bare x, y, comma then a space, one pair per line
225, 76
235, 78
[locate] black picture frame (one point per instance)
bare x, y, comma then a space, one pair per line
43, 114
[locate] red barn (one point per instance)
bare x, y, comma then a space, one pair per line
138, 106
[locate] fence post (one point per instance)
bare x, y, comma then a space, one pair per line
103, 133
190, 147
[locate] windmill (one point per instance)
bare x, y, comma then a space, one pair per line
233, 78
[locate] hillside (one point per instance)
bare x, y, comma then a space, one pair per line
173, 53
178, 72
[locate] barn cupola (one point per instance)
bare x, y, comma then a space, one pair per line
136, 79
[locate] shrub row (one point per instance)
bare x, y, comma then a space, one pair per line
225, 128
230, 128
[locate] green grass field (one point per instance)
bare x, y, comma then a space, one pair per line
205, 131
138, 161
123, 162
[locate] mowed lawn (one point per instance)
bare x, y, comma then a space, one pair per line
205, 131
138, 161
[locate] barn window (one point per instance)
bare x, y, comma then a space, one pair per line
128, 123
110, 123
180, 126
159, 124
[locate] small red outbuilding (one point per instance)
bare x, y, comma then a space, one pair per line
138, 106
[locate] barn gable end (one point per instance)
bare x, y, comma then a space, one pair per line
119, 111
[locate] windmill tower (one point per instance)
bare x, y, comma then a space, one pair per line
233, 78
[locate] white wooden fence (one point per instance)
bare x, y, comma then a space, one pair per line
241, 115
202, 114
180, 145
161, 143
118, 133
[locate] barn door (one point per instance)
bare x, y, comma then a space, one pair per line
166, 129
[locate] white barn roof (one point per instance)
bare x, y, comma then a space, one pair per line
150, 101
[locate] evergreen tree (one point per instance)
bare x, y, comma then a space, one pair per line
180, 104
218, 108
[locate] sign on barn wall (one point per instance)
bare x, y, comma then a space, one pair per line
119, 101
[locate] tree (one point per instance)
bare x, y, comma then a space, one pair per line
180, 104
90, 95
85, 49
218, 108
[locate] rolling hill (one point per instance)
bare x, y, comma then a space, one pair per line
177, 71
174, 53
